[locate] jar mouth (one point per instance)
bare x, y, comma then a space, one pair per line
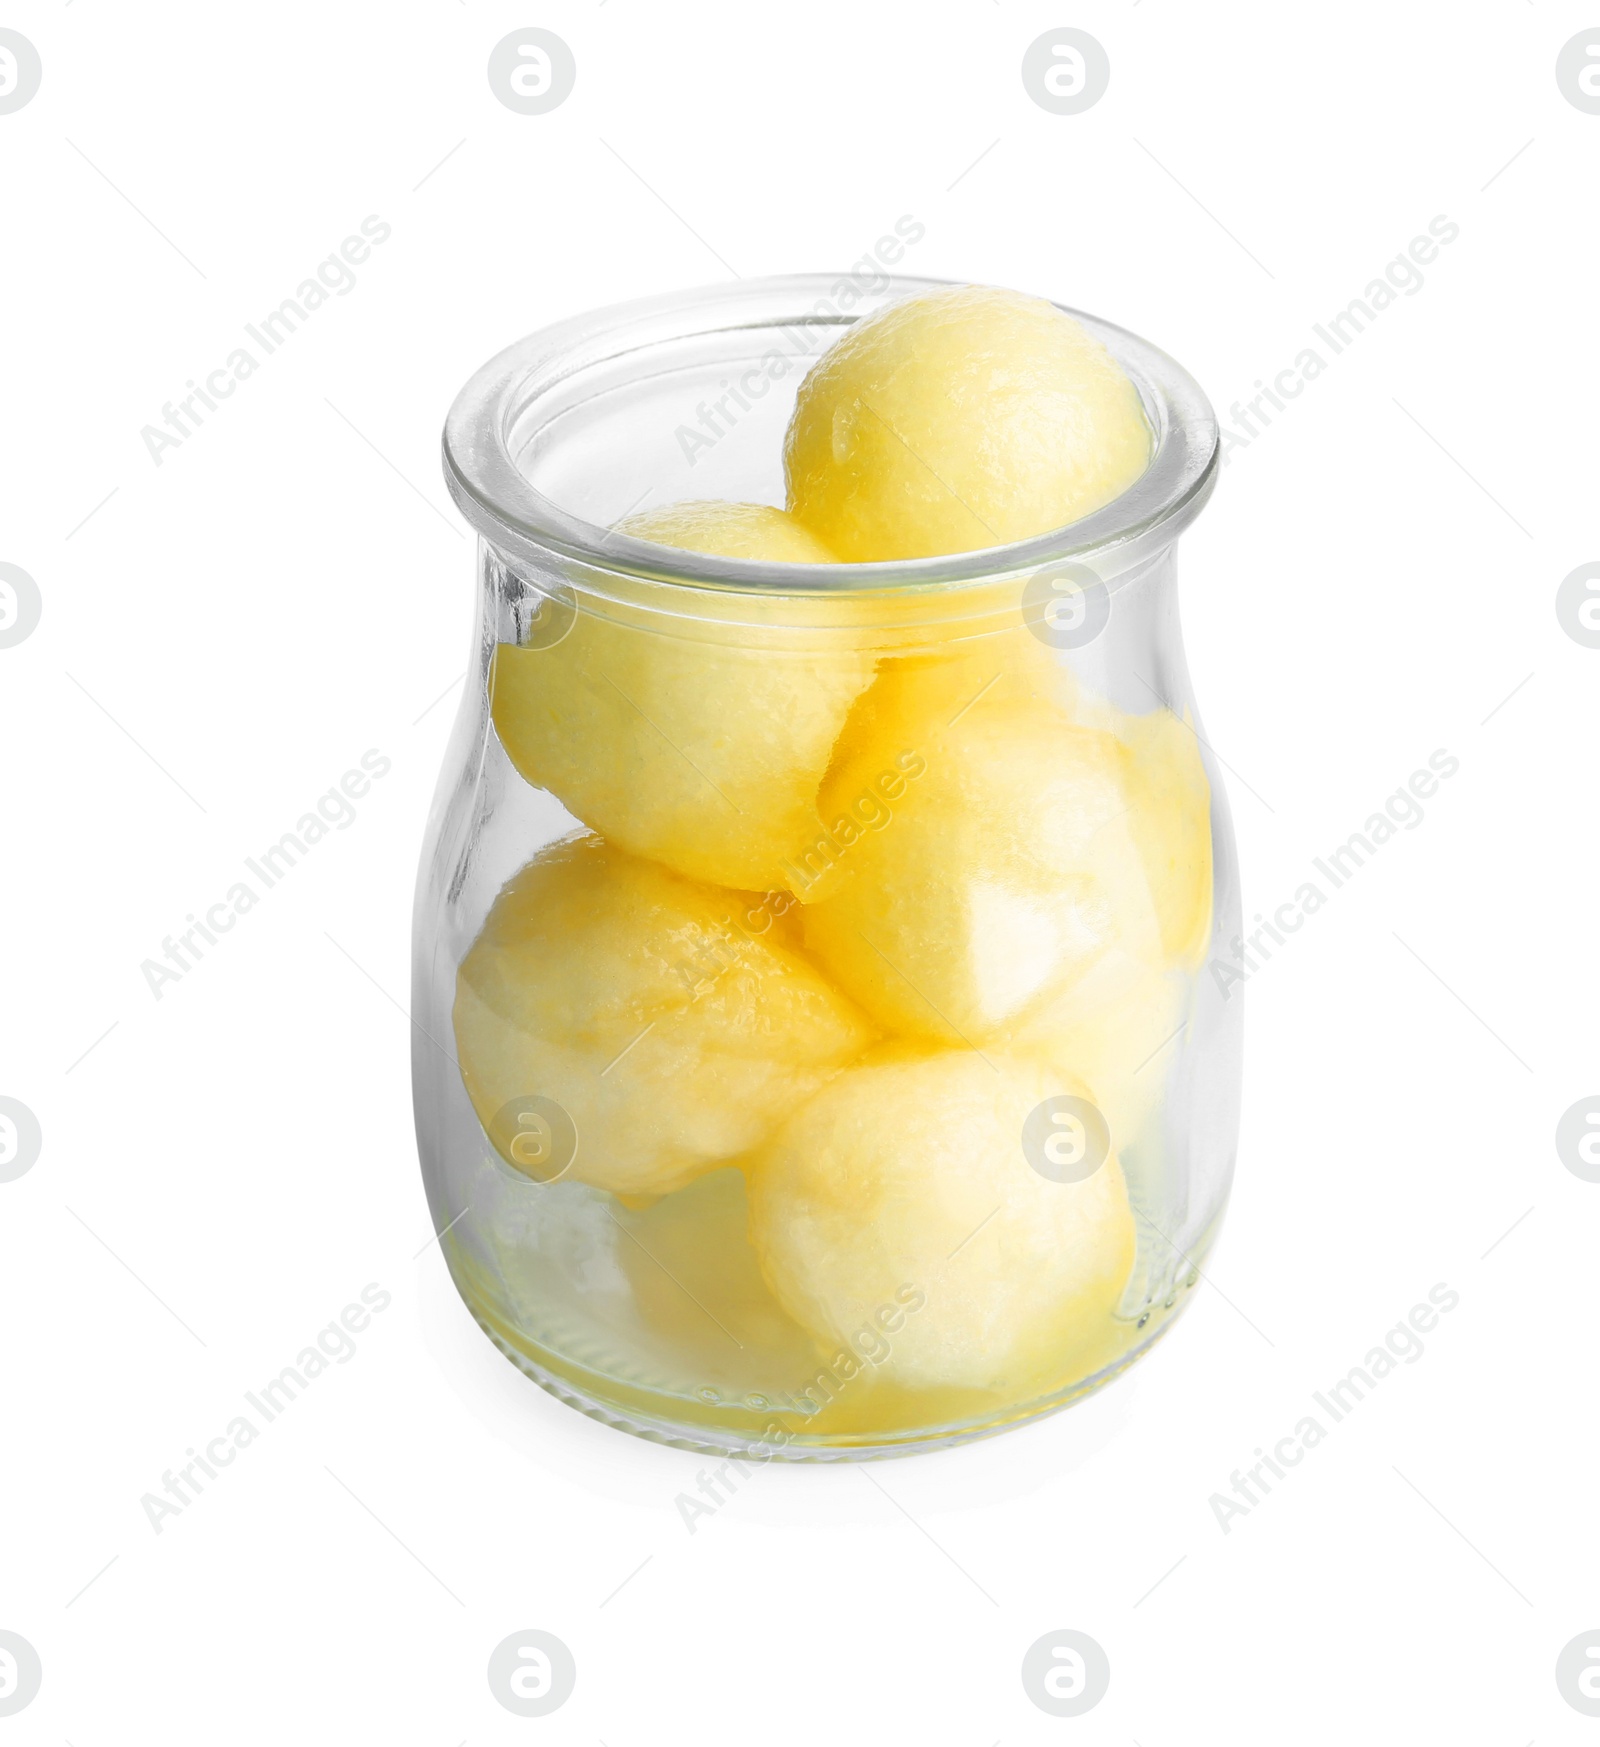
498, 414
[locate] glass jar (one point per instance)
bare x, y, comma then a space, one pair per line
813, 1056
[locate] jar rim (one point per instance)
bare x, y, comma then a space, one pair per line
504, 506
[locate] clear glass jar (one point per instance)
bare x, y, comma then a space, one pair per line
812, 1056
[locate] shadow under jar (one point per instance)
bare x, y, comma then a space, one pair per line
812, 1053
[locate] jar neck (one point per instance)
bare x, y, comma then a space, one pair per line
551, 443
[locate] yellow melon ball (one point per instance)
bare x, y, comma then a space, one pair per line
729, 530
945, 681
1171, 822
694, 751
907, 1198
1116, 1029
958, 419
876, 754
621, 1026
998, 868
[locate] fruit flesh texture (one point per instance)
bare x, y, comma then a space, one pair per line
958, 419
701, 755
674, 1022
905, 1180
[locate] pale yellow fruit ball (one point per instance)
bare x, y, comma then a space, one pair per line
1119, 1026
959, 419
693, 751
673, 1024
900, 1200
1171, 821
877, 755
729, 530
1005, 866
1116, 1029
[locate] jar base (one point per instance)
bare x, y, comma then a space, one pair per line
759, 1444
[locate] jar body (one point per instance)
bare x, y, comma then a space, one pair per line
814, 1053
654, 1310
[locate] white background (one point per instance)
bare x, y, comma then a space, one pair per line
225, 634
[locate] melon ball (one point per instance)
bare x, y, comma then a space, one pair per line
729, 530
1118, 1027
875, 755
997, 864
1116, 1030
673, 1025
947, 680
1171, 822
695, 752
900, 1200
957, 419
